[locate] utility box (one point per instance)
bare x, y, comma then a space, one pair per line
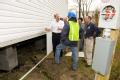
103, 55
110, 15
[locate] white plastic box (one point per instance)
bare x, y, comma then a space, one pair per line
103, 55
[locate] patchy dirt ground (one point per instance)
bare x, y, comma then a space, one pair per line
27, 58
51, 71
48, 70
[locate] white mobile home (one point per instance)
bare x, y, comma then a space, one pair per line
22, 20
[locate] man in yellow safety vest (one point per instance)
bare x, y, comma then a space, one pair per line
69, 38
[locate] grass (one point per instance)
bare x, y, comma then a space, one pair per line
115, 72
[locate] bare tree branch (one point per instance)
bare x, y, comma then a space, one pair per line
89, 6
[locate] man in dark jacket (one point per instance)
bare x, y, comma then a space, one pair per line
82, 28
69, 38
91, 31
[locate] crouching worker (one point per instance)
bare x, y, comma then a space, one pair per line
69, 38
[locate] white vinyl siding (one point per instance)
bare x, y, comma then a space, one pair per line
26, 17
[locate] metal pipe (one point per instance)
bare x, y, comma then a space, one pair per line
32, 68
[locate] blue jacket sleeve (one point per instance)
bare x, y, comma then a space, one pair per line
65, 32
97, 30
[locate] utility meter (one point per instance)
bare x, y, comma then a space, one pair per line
110, 15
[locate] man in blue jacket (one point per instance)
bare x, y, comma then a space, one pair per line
82, 28
69, 38
91, 31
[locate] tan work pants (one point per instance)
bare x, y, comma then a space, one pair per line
88, 49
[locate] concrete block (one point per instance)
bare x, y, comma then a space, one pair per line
40, 44
8, 58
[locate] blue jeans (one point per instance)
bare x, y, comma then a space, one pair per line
74, 55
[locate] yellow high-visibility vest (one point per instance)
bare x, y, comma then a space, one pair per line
74, 31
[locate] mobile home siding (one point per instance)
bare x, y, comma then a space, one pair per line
21, 16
